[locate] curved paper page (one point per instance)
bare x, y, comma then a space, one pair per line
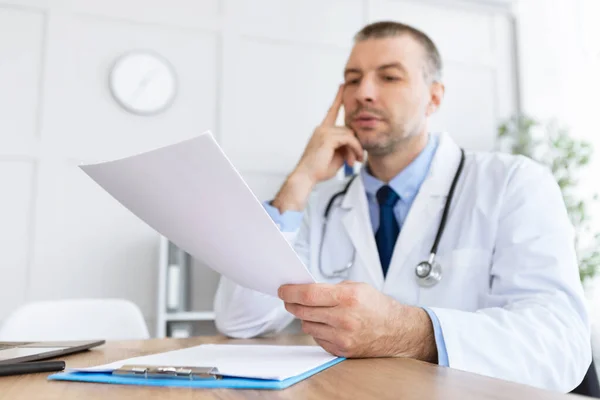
192, 194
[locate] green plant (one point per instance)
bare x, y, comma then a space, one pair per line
550, 144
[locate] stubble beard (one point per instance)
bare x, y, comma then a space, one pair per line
389, 141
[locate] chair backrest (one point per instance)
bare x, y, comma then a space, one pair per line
75, 319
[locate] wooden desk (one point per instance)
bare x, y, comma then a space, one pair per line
351, 379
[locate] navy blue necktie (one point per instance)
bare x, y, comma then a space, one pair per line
388, 226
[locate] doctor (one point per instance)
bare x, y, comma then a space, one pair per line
499, 292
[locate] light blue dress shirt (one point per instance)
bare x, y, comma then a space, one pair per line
406, 184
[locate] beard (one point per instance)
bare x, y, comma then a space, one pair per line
387, 138
381, 143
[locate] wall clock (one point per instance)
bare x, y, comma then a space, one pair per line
143, 82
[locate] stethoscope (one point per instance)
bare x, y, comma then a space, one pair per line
429, 272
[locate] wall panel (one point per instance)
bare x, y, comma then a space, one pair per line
17, 183
21, 40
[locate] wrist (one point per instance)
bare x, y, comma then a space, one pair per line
416, 336
427, 351
294, 193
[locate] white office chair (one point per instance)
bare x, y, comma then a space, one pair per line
75, 319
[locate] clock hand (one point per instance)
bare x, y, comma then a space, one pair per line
143, 83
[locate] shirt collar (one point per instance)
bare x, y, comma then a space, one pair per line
407, 183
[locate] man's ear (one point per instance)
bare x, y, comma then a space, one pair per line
436, 93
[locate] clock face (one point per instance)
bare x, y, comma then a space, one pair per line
143, 82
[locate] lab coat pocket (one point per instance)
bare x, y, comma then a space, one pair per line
465, 280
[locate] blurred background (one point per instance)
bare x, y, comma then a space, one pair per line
90, 80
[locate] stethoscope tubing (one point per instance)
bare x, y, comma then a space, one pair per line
438, 237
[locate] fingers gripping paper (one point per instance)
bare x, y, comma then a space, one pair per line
191, 193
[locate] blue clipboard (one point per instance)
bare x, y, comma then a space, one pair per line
224, 383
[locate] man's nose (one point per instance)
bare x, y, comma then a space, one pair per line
367, 91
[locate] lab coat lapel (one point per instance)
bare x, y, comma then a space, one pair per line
357, 223
425, 213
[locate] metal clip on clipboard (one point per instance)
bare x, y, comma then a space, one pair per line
156, 372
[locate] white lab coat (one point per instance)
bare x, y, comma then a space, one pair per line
510, 302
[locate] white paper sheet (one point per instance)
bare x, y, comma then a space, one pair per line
192, 194
242, 361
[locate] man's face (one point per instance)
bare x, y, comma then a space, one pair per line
386, 98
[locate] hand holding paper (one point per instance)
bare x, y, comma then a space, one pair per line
191, 193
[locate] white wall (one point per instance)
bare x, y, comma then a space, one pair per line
259, 74
559, 60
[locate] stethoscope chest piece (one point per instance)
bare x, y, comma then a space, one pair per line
428, 273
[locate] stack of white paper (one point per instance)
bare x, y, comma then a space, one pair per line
192, 194
242, 361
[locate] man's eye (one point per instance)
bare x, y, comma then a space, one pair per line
352, 82
390, 78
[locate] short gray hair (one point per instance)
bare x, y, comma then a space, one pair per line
387, 29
